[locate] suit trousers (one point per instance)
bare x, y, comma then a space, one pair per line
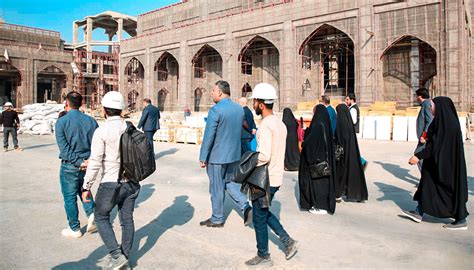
220, 181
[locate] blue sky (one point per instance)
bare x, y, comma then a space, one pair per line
59, 15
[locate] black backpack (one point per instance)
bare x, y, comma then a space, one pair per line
137, 160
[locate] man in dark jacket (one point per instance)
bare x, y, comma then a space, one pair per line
326, 101
150, 120
423, 121
10, 121
248, 128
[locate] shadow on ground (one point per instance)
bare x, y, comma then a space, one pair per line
399, 172
161, 154
177, 214
38, 146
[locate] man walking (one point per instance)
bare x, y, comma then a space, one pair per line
105, 156
355, 115
326, 101
423, 121
74, 136
220, 154
11, 123
271, 143
248, 128
150, 120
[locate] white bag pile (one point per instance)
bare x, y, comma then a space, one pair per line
39, 118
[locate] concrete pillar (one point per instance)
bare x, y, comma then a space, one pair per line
365, 57
74, 33
147, 92
289, 60
265, 75
88, 30
119, 29
185, 71
414, 68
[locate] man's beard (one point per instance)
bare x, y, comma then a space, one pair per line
258, 111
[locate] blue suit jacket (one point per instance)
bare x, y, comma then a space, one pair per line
221, 143
332, 118
150, 119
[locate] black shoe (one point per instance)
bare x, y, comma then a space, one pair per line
456, 226
248, 216
209, 223
259, 262
291, 248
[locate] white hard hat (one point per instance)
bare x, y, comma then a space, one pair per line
8, 104
264, 91
113, 100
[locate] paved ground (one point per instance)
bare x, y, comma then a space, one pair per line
175, 199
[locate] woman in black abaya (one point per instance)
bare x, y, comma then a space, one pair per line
292, 154
442, 191
318, 195
350, 177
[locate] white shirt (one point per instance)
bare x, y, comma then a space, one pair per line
353, 112
271, 143
105, 152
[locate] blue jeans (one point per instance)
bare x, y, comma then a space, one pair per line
6, 132
262, 219
126, 204
220, 180
71, 179
149, 135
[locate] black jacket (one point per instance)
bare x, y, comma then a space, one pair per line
9, 119
255, 180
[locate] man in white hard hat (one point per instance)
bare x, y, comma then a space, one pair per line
271, 144
105, 156
74, 137
11, 123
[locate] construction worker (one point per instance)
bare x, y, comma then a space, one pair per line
11, 123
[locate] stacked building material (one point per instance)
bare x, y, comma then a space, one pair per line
39, 118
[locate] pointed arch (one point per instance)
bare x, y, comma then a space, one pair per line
255, 39
162, 96
134, 68
207, 60
11, 78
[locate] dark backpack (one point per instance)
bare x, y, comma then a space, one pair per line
137, 160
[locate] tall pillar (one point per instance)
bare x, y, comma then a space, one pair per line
119, 29
88, 30
74, 33
289, 58
414, 68
185, 71
365, 56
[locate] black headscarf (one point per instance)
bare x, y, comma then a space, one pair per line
318, 146
442, 191
350, 179
292, 154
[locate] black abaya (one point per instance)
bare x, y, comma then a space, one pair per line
318, 146
292, 154
350, 177
442, 191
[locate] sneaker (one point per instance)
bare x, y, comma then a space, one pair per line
413, 215
317, 211
248, 216
209, 223
291, 249
116, 264
456, 226
339, 200
18, 149
259, 262
70, 233
91, 227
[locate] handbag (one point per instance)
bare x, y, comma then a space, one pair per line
320, 168
339, 152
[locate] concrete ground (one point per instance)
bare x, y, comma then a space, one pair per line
174, 200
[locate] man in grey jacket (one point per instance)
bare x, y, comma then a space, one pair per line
424, 118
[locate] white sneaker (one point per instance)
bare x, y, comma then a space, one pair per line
91, 227
70, 233
316, 211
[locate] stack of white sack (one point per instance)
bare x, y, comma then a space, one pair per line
39, 118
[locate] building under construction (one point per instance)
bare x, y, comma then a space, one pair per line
379, 50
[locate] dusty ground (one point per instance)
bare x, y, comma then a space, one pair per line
175, 199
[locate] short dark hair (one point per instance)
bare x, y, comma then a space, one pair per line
147, 100
112, 112
74, 99
423, 92
224, 87
326, 99
268, 106
352, 96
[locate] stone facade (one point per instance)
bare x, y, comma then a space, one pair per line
384, 50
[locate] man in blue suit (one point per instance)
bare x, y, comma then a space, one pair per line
150, 120
220, 154
326, 101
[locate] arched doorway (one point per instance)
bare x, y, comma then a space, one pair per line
207, 69
167, 74
246, 90
50, 83
132, 100
328, 60
134, 76
197, 99
162, 95
10, 80
260, 62
408, 64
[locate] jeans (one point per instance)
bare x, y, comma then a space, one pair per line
262, 218
6, 134
245, 145
149, 135
220, 180
126, 204
71, 179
